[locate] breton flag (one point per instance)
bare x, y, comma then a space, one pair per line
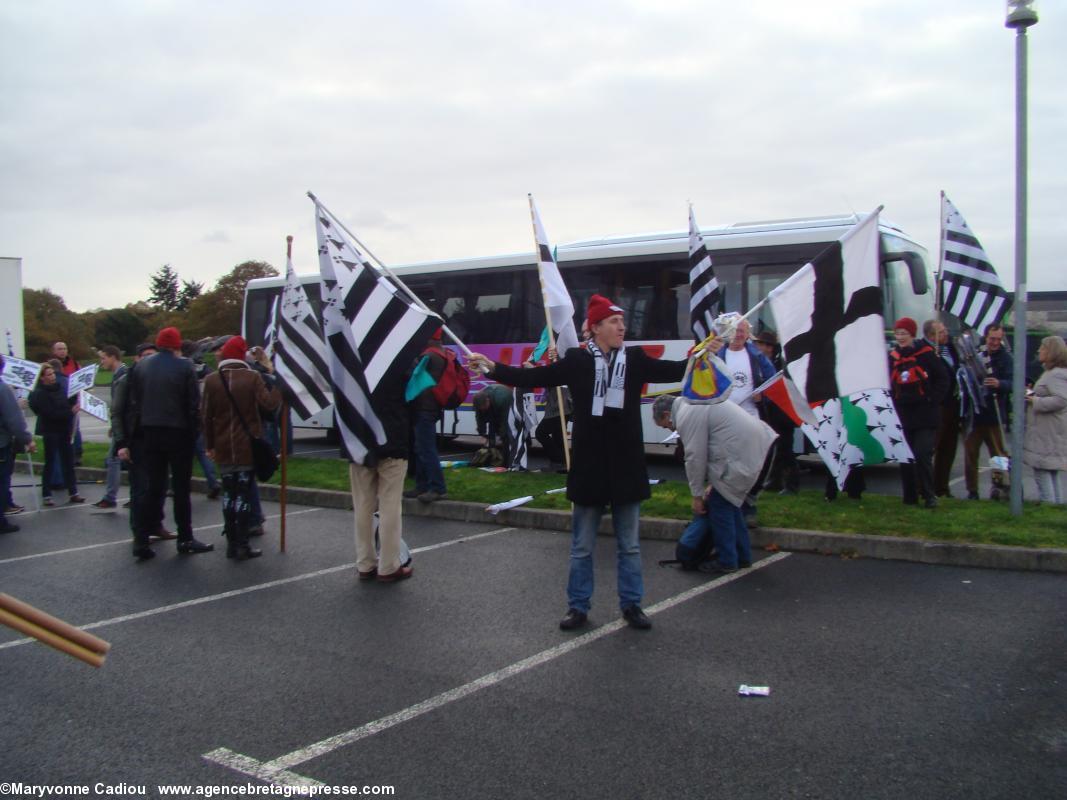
829, 315
704, 294
299, 351
557, 301
861, 429
373, 333
270, 333
522, 420
968, 286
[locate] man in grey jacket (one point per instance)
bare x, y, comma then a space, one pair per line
14, 435
725, 449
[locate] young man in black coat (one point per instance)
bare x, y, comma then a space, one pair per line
608, 454
918, 381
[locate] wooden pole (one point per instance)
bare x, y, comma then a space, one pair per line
52, 631
551, 336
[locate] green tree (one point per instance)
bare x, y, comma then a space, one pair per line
47, 320
218, 311
120, 327
189, 292
163, 288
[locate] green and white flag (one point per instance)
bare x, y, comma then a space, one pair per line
862, 428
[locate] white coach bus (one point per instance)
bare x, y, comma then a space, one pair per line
494, 303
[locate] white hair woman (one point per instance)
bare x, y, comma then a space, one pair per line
1045, 441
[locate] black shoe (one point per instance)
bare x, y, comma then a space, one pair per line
573, 620
972, 495
213, 492
431, 497
8, 528
411, 494
143, 553
744, 564
931, 502
243, 553
636, 618
715, 568
127, 504
190, 547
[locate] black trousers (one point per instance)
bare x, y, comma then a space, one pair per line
163, 448
550, 434
917, 478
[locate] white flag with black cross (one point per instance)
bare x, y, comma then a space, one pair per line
829, 317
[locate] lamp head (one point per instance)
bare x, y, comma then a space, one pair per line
1021, 14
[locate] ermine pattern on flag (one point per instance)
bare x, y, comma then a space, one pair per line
373, 331
300, 351
970, 288
705, 296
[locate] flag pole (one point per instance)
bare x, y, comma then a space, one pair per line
551, 338
285, 427
938, 298
318, 204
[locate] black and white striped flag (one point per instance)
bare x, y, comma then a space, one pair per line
522, 420
969, 288
705, 297
270, 333
373, 333
299, 351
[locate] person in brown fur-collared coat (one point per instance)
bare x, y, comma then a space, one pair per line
234, 393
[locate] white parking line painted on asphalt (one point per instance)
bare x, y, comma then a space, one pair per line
278, 771
248, 589
128, 540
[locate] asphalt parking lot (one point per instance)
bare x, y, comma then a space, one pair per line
887, 679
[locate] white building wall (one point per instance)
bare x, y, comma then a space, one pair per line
11, 306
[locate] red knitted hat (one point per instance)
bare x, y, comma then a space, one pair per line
600, 308
235, 347
170, 339
908, 324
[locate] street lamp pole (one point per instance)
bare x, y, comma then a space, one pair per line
1021, 15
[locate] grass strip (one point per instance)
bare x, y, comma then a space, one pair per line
983, 522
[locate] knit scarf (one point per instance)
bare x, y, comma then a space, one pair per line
608, 391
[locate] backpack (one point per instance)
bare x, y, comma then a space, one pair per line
909, 380
488, 457
455, 382
695, 546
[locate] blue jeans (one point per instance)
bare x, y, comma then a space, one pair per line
58, 451
114, 474
428, 474
253, 502
206, 464
584, 521
730, 531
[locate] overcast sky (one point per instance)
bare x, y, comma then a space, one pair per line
134, 134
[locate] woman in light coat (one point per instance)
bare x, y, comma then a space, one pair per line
1045, 443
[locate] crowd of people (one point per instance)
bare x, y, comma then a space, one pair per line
168, 408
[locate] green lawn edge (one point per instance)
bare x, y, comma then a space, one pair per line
984, 522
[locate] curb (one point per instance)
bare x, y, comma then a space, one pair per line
846, 545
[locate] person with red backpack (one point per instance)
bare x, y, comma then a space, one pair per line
426, 410
918, 382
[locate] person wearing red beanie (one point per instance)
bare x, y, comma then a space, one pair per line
159, 423
918, 382
234, 396
608, 457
